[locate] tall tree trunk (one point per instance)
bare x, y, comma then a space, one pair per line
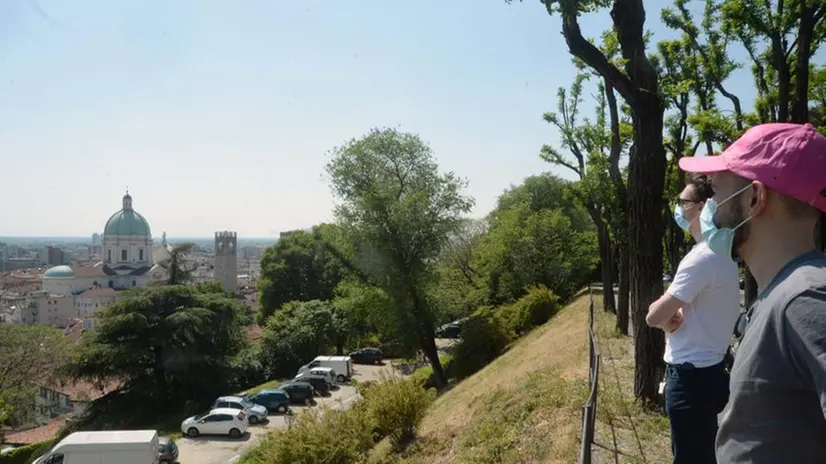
624, 291
427, 336
646, 183
607, 267
639, 86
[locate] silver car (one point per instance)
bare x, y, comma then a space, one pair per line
255, 412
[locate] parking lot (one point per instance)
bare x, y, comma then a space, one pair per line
222, 450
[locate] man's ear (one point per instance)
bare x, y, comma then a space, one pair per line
758, 202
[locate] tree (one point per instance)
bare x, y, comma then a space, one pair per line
297, 333
297, 268
525, 248
160, 343
585, 144
459, 286
397, 211
177, 271
638, 84
30, 356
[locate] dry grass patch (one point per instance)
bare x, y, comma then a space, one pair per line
523, 407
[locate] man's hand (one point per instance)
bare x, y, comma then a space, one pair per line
674, 323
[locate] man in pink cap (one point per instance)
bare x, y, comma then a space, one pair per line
769, 187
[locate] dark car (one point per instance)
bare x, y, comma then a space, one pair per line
394, 349
451, 330
320, 385
299, 392
167, 451
273, 400
367, 356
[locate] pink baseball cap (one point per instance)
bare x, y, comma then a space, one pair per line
789, 158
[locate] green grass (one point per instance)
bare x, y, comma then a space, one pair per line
264, 386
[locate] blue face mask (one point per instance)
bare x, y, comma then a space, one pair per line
679, 218
719, 240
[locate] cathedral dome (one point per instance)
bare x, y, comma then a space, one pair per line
127, 222
59, 272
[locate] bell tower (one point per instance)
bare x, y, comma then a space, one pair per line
226, 260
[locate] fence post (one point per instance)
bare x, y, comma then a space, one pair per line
587, 435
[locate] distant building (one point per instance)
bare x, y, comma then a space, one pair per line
226, 260
4, 255
52, 256
96, 239
127, 259
88, 303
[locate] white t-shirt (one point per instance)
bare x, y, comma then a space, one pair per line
710, 284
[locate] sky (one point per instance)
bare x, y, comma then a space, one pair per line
220, 115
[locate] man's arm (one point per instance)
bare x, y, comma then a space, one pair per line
694, 274
805, 331
662, 311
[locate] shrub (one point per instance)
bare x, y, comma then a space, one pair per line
484, 338
322, 435
532, 310
396, 407
424, 376
26, 454
247, 368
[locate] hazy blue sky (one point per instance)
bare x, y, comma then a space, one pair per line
219, 114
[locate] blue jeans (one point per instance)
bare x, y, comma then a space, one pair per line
693, 399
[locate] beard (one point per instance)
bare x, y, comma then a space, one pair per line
741, 235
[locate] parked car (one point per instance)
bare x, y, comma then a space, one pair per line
222, 421
319, 383
367, 356
167, 451
255, 413
273, 400
328, 374
451, 330
343, 366
299, 392
396, 349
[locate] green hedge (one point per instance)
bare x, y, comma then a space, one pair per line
26, 454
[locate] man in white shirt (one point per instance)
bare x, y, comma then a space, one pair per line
697, 313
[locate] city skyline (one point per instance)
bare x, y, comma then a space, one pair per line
222, 118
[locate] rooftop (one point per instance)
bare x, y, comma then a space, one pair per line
44, 432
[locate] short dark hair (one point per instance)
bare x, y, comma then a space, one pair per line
702, 186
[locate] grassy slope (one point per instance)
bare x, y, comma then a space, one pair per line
525, 406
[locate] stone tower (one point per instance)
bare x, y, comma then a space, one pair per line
226, 260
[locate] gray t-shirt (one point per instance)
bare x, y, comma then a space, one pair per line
778, 382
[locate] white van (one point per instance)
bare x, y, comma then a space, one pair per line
110, 447
342, 365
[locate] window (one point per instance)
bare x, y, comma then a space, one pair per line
123, 255
55, 459
140, 254
109, 255
134, 283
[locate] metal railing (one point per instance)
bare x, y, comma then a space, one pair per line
589, 410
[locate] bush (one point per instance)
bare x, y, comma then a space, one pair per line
484, 338
26, 454
247, 369
532, 310
322, 435
396, 407
424, 377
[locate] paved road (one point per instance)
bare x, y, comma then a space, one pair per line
223, 450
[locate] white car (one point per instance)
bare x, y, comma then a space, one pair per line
221, 421
342, 365
255, 412
324, 373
